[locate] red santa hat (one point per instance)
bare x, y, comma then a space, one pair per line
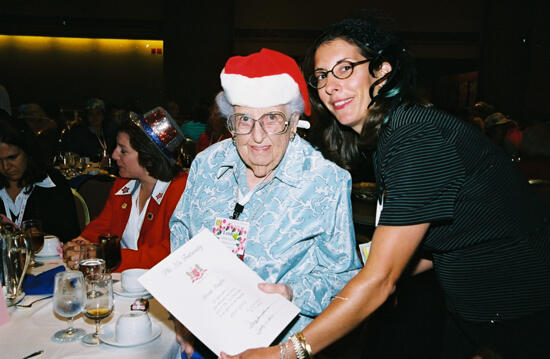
264, 79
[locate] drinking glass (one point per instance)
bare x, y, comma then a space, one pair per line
99, 303
32, 230
109, 246
89, 261
72, 163
68, 301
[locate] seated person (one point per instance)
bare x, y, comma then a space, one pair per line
295, 203
95, 138
142, 201
29, 189
45, 129
215, 130
496, 127
195, 128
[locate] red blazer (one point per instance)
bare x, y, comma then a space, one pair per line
154, 237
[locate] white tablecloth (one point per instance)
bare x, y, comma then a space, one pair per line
31, 329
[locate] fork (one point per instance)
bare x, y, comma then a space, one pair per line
31, 303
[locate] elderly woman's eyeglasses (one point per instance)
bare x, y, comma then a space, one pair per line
342, 70
273, 123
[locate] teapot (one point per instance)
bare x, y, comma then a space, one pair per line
15, 251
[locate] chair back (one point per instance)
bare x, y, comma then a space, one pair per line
82, 213
95, 191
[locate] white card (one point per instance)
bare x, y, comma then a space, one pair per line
215, 295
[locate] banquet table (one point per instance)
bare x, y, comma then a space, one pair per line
31, 329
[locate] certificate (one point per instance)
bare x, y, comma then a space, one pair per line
215, 295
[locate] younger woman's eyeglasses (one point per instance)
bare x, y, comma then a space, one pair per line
342, 70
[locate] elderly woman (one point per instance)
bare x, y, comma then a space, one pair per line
141, 202
28, 188
294, 203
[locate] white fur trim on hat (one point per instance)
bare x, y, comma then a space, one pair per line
259, 92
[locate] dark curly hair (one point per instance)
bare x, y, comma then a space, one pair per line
19, 135
149, 156
340, 143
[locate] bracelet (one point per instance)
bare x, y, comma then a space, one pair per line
298, 350
282, 348
286, 349
304, 344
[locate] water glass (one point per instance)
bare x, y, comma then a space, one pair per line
99, 303
68, 300
90, 262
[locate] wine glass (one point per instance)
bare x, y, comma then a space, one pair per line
68, 301
32, 230
99, 303
89, 261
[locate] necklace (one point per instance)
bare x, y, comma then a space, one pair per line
101, 140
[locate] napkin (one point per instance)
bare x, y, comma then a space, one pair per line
4, 315
42, 283
195, 355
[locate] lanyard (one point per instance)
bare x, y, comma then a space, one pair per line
243, 200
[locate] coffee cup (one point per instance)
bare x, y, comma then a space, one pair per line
129, 280
133, 327
49, 249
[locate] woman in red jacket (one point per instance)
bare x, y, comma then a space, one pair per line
141, 202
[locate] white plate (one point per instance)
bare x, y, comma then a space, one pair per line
117, 288
108, 336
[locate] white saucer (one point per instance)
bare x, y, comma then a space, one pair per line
108, 336
117, 288
47, 255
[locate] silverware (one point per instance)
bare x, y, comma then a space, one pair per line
40, 352
31, 303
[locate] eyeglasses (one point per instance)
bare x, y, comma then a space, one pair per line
273, 123
342, 70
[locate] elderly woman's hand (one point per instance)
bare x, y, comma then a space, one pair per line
71, 251
258, 353
283, 289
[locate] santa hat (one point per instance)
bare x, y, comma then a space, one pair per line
264, 79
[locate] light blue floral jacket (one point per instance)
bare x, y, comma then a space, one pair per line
301, 228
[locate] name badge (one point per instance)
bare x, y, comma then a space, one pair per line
232, 233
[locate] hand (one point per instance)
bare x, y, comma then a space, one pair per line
283, 289
258, 353
71, 252
6, 220
185, 338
